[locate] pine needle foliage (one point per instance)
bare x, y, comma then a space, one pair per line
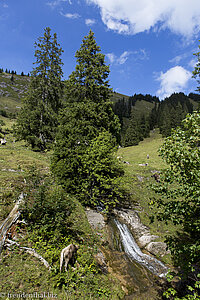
37, 121
85, 122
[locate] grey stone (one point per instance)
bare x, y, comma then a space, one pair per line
146, 239
132, 218
95, 219
157, 248
141, 232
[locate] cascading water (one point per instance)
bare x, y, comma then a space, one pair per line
134, 252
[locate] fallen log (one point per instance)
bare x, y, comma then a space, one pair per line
30, 251
14, 211
34, 253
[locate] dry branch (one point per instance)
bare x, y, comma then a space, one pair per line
30, 251
7, 223
11, 219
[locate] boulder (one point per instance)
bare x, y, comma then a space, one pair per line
95, 219
146, 239
133, 220
157, 248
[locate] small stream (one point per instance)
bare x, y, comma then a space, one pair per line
134, 252
137, 271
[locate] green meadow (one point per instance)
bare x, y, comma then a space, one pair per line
138, 180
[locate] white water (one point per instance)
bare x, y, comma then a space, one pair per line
134, 252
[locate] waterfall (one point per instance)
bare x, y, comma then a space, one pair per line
134, 252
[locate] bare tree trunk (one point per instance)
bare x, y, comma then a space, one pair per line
11, 219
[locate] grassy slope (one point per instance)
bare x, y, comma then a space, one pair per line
117, 96
14, 89
19, 272
26, 273
140, 190
143, 107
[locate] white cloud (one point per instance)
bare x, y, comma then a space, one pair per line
133, 16
174, 80
141, 54
123, 57
90, 22
111, 57
118, 60
137, 55
70, 16
192, 63
176, 60
55, 3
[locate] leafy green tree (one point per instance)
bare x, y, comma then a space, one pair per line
89, 82
144, 127
179, 192
136, 130
196, 72
38, 119
103, 174
88, 113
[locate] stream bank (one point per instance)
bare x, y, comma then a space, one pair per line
137, 281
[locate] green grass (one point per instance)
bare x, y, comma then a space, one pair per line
142, 107
9, 104
20, 272
141, 192
12, 93
15, 160
117, 96
136, 155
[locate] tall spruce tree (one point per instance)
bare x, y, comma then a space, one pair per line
38, 119
132, 135
87, 119
90, 78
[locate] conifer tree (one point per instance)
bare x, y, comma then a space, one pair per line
90, 78
37, 121
132, 135
87, 116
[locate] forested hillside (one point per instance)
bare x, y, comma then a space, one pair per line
138, 114
141, 113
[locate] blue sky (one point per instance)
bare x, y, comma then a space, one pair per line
149, 44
